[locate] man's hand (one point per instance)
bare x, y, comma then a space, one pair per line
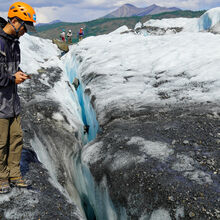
20, 77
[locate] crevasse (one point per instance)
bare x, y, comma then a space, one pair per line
88, 114
95, 198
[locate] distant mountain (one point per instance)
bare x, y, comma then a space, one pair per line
52, 22
155, 9
128, 10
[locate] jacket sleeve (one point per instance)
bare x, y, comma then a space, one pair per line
5, 78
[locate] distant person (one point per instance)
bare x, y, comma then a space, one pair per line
69, 37
81, 34
63, 35
21, 17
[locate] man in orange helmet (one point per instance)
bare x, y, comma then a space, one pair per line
21, 17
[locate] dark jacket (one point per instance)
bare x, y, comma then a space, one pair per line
9, 65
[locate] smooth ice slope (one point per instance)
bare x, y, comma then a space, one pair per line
38, 53
133, 69
35, 51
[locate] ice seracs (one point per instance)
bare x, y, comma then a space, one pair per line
209, 19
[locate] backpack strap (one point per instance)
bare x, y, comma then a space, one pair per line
2, 47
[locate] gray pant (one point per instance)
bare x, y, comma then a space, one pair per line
11, 143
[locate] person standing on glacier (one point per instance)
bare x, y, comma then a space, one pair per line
63, 35
81, 34
69, 37
21, 17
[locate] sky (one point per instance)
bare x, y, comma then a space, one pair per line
85, 10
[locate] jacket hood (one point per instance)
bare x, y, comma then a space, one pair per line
3, 22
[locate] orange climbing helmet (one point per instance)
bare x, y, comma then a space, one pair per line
23, 11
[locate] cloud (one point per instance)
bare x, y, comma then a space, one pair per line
3, 14
111, 4
209, 3
84, 10
45, 14
67, 13
38, 3
77, 11
183, 4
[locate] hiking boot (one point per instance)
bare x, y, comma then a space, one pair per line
20, 182
4, 186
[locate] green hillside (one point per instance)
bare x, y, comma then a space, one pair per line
106, 25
